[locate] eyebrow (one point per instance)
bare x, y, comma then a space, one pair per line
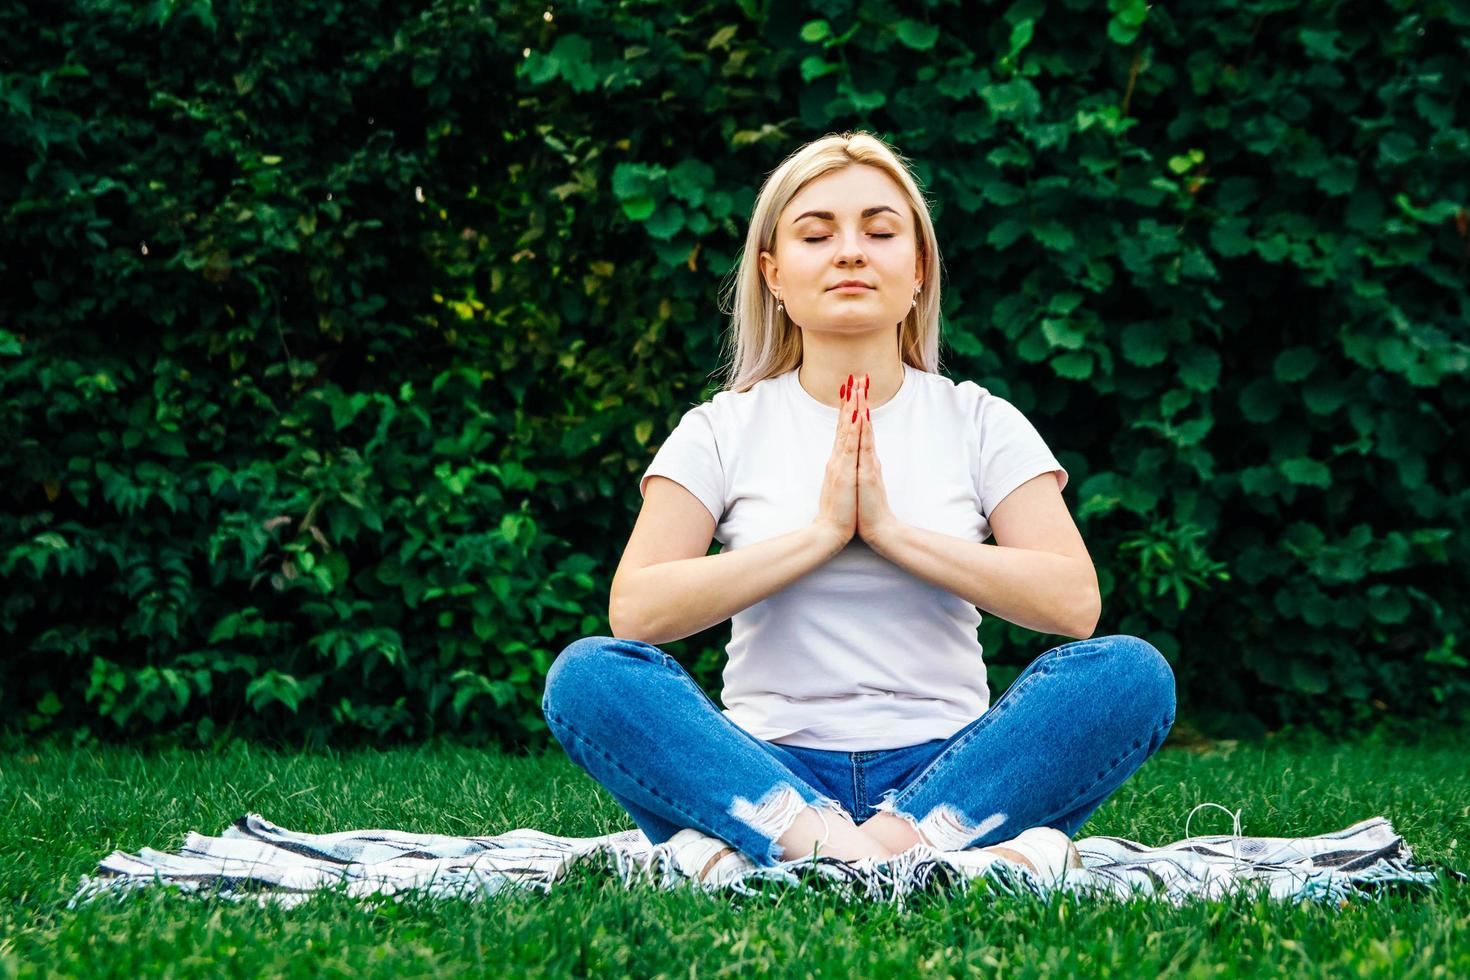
828, 216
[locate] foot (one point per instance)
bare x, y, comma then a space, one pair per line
713, 861
1074, 857
1009, 855
706, 858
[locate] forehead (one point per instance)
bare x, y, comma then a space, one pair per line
851, 189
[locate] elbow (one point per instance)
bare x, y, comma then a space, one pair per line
1086, 623
619, 624
615, 619
617, 627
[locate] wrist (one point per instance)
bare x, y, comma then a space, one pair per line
885, 536
830, 537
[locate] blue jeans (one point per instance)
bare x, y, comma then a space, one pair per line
1076, 723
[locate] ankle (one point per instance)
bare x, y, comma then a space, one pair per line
713, 861
829, 834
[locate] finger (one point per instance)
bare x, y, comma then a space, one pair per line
844, 411
846, 420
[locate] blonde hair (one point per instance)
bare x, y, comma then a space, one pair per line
764, 344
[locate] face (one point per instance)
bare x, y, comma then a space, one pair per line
850, 225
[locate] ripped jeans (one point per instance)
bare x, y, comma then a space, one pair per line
1076, 723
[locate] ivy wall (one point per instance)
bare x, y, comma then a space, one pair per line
336, 335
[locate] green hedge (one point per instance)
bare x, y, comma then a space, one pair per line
337, 334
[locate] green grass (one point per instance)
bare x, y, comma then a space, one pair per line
65, 808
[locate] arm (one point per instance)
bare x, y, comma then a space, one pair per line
675, 599
1037, 575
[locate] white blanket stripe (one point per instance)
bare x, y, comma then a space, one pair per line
257, 860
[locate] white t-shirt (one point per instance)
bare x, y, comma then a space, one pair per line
858, 654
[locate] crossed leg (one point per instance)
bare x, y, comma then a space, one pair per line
898, 835
881, 836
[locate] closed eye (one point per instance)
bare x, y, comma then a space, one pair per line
819, 238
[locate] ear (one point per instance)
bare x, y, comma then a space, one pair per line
770, 272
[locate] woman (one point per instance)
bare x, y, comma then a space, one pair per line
852, 486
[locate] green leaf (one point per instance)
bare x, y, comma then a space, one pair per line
815, 30
814, 67
572, 54
1394, 354
1021, 35
722, 37
1321, 44
1003, 233
1199, 367
1261, 481
1387, 604
1434, 214
1395, 148
1306, 471
1260, 401
1032, 347
690, 180
1184, 163
1309, 677
1294, 364
1196, 265
1144, 343
1323, 397
1015, 98
1063, 333
635, 180
1127, 20
1077, 365
1174, 401
170, 444
1235, 194
920, 37
1009, 154
1054, 235
638, 208
666, 222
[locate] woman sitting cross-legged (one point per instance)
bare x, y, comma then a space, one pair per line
852, 488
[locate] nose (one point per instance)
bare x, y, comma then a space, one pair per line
850, 249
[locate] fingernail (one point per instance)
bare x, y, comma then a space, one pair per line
866, 382
849, 381
842, 392
870, 414
854, 415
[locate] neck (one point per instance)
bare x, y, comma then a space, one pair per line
824, 381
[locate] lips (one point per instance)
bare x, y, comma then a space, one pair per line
850, 282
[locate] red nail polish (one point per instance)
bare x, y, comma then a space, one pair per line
866, 383
849, 381
842, 392
870, 414
854, 415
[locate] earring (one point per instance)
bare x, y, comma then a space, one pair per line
780, 306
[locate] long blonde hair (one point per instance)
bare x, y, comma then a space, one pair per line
763, 344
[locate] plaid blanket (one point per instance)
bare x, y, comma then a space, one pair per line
259, 861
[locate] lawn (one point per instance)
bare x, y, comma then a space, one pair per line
68, 807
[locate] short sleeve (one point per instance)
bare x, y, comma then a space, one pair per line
691, 458
1011, 452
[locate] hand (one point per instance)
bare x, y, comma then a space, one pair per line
837, 510
874, 518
